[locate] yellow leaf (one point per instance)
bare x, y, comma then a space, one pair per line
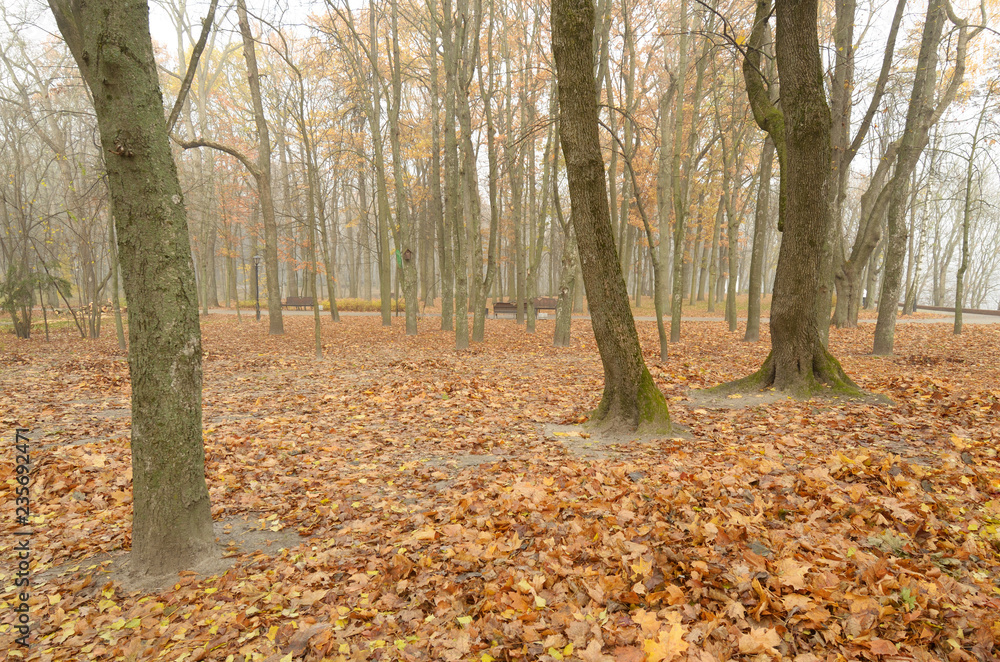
647, 620
272, 632
643, 567
426, 533
793, 573
667, 645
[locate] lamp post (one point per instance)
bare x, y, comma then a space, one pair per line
256, 283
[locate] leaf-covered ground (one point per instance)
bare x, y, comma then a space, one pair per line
422, 514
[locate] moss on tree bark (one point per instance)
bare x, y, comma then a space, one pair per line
172, 521
631, 399
799, 362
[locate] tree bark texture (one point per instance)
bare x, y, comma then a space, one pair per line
631, 398
172, 521
798, 362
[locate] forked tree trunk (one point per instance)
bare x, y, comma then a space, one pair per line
406, 237
848, 274
798, 362
922, 114
172, 521
631, 398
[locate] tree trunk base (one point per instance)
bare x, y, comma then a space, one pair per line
644, 411
825, 377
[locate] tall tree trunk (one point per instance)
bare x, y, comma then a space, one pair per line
631, 398
678, 193
172, 517
732, 232
872, 216
457, 194
407, 234
696, 257
537, 244
713, 263
470, 183
922, 114
383, 221
798, 362
759, 238
663, 190
275, 323
484, 284
329, 247
963, 266
567, 275
366, 233
438, 216
915, 249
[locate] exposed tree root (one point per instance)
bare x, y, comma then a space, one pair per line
826, 377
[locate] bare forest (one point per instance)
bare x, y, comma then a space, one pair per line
413, 155
496, 330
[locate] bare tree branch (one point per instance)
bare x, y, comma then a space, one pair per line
206, 28
238, 155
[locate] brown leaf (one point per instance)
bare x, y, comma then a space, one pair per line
592, 653
759, 640
629, 654
882, 647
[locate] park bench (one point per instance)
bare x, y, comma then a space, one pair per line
510, 308
545, 303
298, 302
504, 308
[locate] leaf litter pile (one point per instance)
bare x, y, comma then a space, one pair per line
408, 503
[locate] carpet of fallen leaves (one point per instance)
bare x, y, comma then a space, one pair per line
426, 516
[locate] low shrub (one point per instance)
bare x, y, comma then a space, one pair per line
363, 305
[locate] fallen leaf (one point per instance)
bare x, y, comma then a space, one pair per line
759, 640
667, 645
